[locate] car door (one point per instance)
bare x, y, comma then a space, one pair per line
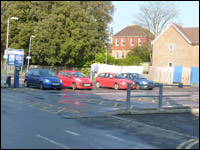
68, 79
61, 76
36, 78
105, 81
29, 77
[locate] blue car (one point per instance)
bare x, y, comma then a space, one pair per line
139, 80
42, 78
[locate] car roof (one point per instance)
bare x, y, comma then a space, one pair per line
39, 69
69, 71
132, 73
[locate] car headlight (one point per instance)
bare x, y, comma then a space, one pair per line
61, 81
77, 79
144, 82
90, 80
47, 80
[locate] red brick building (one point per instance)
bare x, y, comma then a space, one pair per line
128, 38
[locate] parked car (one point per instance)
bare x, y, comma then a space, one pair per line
75, 80
112, 80
42, 78
139, 80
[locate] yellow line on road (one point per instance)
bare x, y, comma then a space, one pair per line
140, 99
34, 104
194, 99
153, 101
46, 107
191, 144
184, 143
115, 104
101, 102
59, 111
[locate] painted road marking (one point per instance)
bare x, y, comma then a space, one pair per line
73, 133
51, 141
192, 144
180, 146
46, 107
101, 102
59, 111
116, 104
194, 99
140, 99
32, 105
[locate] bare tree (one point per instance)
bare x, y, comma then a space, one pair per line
155, 15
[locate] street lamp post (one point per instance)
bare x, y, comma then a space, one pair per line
29, 57
13, 18
106, 55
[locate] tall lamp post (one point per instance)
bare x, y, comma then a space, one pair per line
106, 55
29, 57
13, 18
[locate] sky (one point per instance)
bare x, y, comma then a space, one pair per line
124, 11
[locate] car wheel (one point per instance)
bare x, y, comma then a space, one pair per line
150, 88
116, 86
41, 86
73, 86
137, 86
59, 88
26, 83
98, 85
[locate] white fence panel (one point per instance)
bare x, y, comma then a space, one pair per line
161, 74
119, 69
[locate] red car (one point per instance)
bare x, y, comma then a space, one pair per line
113, 80
75, 79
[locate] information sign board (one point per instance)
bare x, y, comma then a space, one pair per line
15, 57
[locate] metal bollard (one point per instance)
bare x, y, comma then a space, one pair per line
160, 96
8, 81
128, 97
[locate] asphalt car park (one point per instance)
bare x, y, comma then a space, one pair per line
46, 112
102, 99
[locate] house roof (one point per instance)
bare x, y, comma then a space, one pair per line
191, 35
133, 30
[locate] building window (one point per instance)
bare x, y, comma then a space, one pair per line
116, 54
122, 55
170, 64
171, 46
139, 41
122, 42
132, 42
117, 42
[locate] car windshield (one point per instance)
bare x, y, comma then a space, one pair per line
47, 73
118, 76
139, 76
78, 74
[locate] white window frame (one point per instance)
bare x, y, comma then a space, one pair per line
123, 54
117, 42
116, 54
132, 40
139, 41
169, 64
170, 46
122, 42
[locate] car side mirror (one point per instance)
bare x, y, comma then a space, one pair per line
111, 77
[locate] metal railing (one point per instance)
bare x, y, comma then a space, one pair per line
160, 96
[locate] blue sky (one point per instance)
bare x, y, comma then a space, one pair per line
124, 11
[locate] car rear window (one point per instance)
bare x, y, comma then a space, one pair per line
102, 75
